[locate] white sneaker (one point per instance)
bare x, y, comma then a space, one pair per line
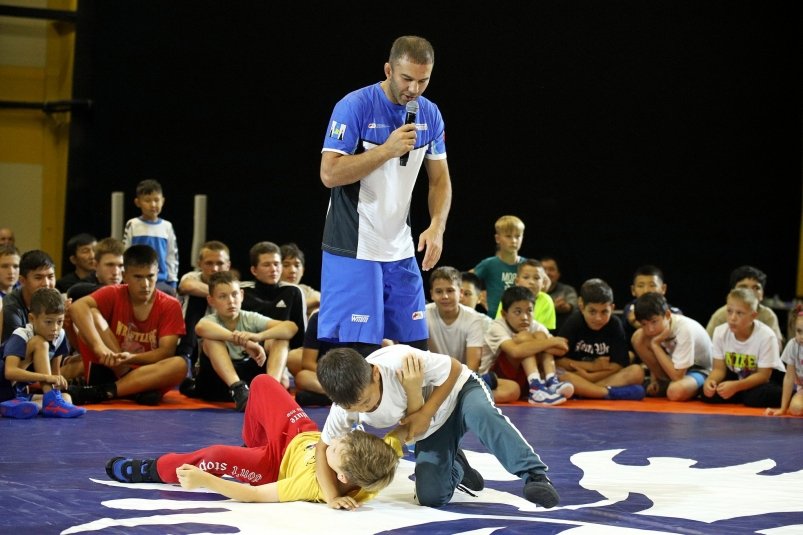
562, 388
540, 395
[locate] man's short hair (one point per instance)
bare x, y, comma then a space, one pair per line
213, 245
139, 256
414, 48
33, 260
79, 240
260, 248
47, 301
111, 246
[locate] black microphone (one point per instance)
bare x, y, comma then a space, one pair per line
412, 111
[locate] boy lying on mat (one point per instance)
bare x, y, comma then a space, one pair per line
278, 460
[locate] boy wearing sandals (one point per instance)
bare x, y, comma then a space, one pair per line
235, 343
40, 345
278, 460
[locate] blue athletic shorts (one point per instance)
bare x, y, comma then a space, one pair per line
366, 301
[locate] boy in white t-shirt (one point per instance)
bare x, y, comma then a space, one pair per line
747, 362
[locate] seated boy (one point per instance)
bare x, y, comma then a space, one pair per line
532, 276
755, 280
597, 363
9, 269
459, 331
308, 390
40, 345
747, 361
514, 345
278, 460
371, 391
675, 348
235, 342
128, 335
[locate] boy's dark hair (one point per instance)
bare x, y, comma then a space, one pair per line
532, 262
291, 250
33, 260
474, 279
148, 186
447, 273
748, 272
344, 374
649, 305
8, 249
79, 240
516, 293
47, 301
139, 256
648, 270
263, 247
222, 277
109, 246
596, 291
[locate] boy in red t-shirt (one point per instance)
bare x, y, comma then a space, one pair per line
127, 336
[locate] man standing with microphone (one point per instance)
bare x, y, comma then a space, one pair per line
376, 141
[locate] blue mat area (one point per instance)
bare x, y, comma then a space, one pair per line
664, 473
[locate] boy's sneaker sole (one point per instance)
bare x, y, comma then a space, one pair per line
557, 400
539, 490
21, 409
131, 470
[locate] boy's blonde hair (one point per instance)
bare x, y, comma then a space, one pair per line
745, 296
506, 223
368, 461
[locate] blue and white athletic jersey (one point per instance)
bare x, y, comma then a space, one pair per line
370, 219
160, 236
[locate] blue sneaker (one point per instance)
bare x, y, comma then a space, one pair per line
631, 392
19, 408
132, 470
560, 387
54, 406
540, 395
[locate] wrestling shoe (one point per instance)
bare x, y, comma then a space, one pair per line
306, 398
631, 392
187, 387
561, 388
239, 393
19, 408
539, 490
472, 479
55, 406
82, 395
149, 397
540, 395
132, 470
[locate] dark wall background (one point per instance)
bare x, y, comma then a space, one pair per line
622, 133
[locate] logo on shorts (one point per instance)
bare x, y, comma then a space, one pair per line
359, 318
418, 315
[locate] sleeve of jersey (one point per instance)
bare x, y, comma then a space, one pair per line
15, 346
437, 147
104, 297
343, 131
172, 256
127, 233
171, 322
495, 336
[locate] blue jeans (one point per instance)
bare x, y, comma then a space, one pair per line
436, 473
